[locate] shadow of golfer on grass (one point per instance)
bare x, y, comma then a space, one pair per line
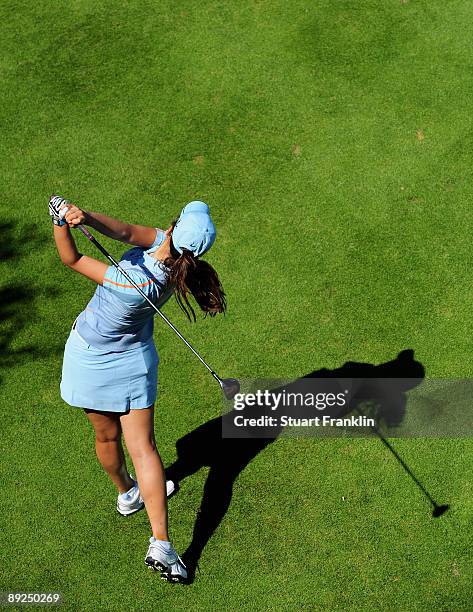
227, 457
18, 299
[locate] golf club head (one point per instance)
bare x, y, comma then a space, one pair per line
230, 387
439, 510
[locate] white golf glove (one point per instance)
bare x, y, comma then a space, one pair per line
56, 212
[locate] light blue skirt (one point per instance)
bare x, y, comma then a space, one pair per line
108, 381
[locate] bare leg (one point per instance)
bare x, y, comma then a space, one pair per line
138, 431
108, 446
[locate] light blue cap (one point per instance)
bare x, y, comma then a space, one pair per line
194, 229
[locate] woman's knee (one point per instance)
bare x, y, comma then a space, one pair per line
107, 435
140, 448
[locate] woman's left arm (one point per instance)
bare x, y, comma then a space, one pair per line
130, 233
70, 256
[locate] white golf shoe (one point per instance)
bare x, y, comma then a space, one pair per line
165, 559
170, 488
131, 501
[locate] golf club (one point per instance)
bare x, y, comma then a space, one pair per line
229, 386
437, 509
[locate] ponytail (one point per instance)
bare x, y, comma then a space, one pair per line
197, 277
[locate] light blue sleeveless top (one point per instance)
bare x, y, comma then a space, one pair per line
117, 318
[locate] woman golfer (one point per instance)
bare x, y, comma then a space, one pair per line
110, 361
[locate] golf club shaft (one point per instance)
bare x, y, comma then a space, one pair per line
89, 236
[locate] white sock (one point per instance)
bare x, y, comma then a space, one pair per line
163, 543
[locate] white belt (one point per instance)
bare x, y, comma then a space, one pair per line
75, 331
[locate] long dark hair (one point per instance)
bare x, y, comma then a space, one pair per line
191, 275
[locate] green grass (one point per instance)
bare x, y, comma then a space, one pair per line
333, 140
